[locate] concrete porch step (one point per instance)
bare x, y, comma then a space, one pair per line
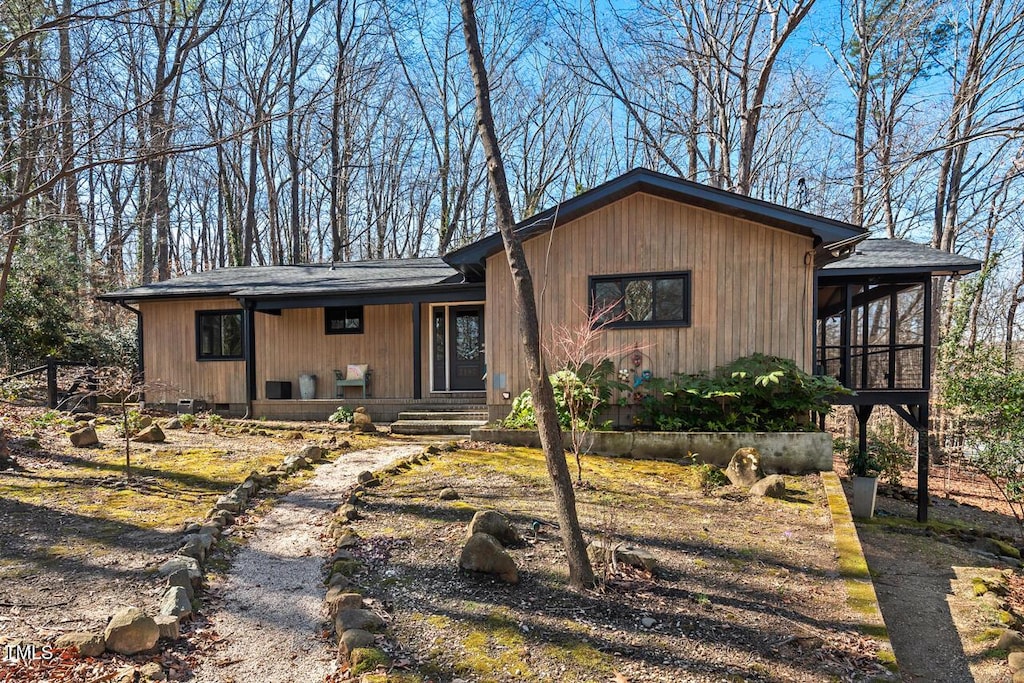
440, 427
442, 415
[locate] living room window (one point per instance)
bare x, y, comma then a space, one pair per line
219, 335
641, 300
343, 320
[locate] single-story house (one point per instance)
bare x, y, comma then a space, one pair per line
696, 276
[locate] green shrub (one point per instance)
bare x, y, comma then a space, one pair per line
579, 397
187, 420
342, 414
709, 477
885, 458
756, 393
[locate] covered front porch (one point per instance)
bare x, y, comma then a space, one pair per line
390, 350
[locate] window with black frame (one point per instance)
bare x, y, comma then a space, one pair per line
343, 320
641, 300
219, 335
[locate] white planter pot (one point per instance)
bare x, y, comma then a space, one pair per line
864, 491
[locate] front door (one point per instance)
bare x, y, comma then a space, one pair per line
466, 349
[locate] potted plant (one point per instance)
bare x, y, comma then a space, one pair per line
864, 470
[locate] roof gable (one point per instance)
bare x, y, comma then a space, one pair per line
471, 258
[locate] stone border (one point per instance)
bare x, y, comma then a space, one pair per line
130, 631
355, 622
853, 569
781, 452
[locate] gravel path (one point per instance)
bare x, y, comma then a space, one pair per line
272, 600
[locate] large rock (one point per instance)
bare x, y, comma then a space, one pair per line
173, 423
87, 644
180, 562
495, 524
311, 453
1011, 641
362, 619
181, 578
745, 467
131, 631
483, 553
230, 502
86, 436
353, 639
340, 598
1016, 661
175, 602
361, 421
169, 625
295, 462
772, 486
150, 434
196, 545
604, 552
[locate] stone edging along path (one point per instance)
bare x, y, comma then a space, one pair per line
272, 601
853, 568
132, 630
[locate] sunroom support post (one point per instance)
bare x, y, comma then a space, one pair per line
863, 413
417, 351
922, 463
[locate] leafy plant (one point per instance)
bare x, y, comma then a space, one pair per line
215, 422
131, 423
577, 402
860, 464
342, 414
990, 401
753, 393
187, 420
709, 477
50, 418
891, 456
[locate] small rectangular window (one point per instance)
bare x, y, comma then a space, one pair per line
343, 320
219, 335
641, 300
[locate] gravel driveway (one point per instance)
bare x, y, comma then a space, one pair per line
271, 604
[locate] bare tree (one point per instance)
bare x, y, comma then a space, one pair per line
580, 572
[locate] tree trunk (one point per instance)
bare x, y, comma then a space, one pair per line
580, 572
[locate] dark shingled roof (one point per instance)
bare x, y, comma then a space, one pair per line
291, 281
471, 258
882, 256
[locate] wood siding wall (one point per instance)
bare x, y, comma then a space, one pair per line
751, 287
287, 345
169, 347
294, 343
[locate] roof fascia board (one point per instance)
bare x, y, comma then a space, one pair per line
429, 294
934, 271
475, 292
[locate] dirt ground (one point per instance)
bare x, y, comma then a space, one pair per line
940, 630
79, 542
748, 589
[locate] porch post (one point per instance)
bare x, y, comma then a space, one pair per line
249, 351
417, 351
